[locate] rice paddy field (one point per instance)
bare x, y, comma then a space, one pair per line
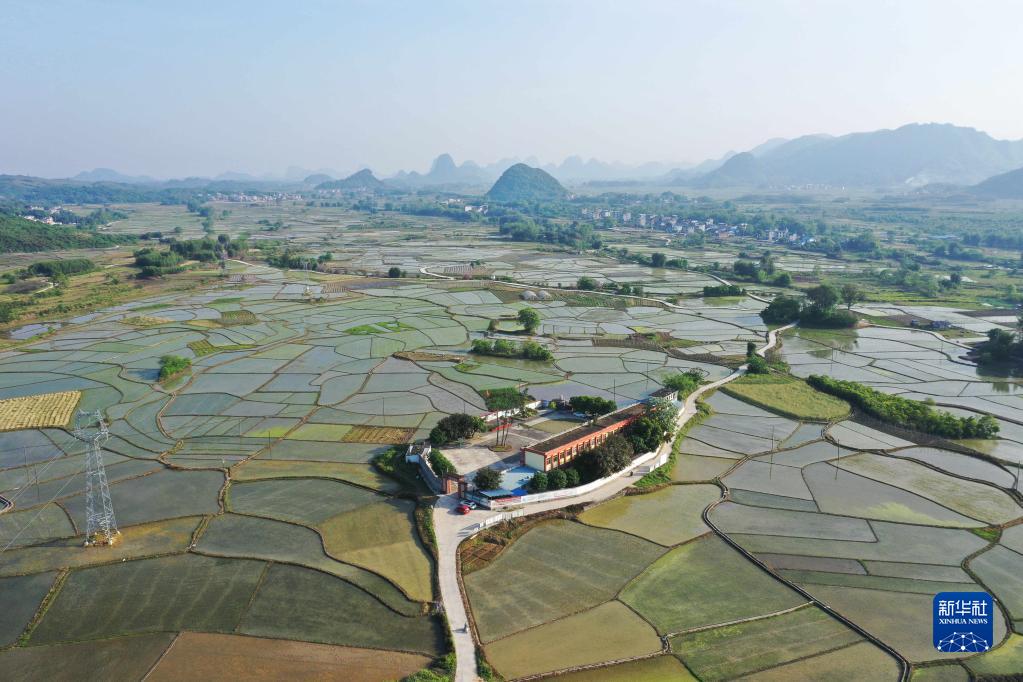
770, 519
793, 541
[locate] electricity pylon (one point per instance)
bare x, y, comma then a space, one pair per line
100, 524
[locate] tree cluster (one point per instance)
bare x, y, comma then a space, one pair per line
528, 350
910, 414
456, 427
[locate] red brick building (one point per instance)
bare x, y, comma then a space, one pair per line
558, 450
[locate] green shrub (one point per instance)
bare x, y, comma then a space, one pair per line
172, 365
911, 414
440, 464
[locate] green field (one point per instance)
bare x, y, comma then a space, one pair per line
322, 609
582, 639
736, 650
170, 593
787, 396
555, 569
644, 515
690, 587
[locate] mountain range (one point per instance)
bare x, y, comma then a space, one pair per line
911, 156
937, 156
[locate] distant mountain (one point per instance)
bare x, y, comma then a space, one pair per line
445, 173
744, 170
1005, 186
316, 179
362, 180
110, 175
525, 183
681, 176
913, 155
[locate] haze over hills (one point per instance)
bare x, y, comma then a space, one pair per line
913, 155
361, 180
1005, 186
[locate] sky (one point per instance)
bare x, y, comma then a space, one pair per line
183, 88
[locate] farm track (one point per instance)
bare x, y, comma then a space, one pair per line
451, 529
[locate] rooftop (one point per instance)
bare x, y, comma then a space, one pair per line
583, 432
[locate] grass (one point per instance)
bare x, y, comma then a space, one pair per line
321, 608
378, 435
38, 411
360, 474
170, 593
861, 661
735, 650
643, 515
232, 318
206, 656
655, 669
705, 582
608, 632
124, 658
21, 597
1005, 660
382, 537
93, 291
232, 535
161, 537
307, 501
787, 396
166, 494
991, 533
663, 473
393, 465
556, 568
204, 347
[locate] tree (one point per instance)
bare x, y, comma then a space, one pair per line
611, 457
751, 349
572, 477
172, 365
664, 413
851, 295
538, 483
658, 259
592, 406
456, 427
644, 435
394, 272
586, 284
557, 479
488, 478
782, 310
529, 319
685, 382
757, 365
782, 279
823, 297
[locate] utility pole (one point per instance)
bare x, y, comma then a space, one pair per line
100, 524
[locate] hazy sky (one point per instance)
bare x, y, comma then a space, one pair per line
174, 87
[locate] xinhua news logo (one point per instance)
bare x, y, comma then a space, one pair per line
963, 622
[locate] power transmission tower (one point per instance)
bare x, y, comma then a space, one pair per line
100, 524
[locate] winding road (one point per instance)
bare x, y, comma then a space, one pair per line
452, 528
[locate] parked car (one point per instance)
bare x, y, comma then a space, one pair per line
463, 509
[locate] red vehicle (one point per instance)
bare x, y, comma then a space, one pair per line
463, 509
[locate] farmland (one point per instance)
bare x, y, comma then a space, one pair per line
255, 525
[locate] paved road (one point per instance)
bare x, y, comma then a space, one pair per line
452, 528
